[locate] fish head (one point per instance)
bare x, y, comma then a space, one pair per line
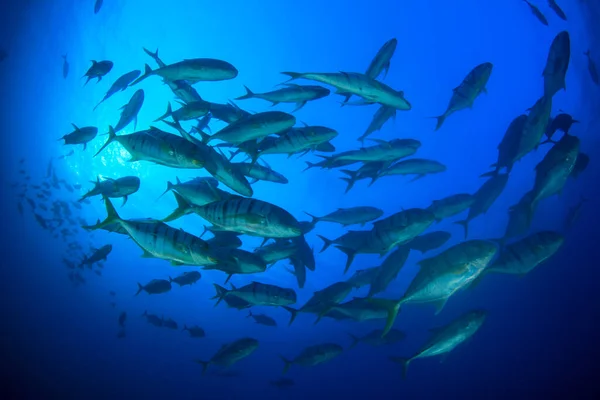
474, 319
284, 296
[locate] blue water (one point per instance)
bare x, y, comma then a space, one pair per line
59, 339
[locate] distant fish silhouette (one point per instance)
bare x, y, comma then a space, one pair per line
97, 6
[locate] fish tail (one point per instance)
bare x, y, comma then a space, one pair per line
140, 288
404, 362
112, 136
393, 309
169, 188
355, 340
293, 313
465, 225
327, 243
350, 253
170, 280
151, 54
185, 328
440, 121
314, 219
249, 314
586, 53
145, 313
204, 364
183, 207
309, 165
221, 293
287, 364
111, 218
147, 72
166, 114
292, 75
249, 94
489, 174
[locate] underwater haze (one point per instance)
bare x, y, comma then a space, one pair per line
101, 297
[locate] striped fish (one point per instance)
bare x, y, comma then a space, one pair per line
259, 294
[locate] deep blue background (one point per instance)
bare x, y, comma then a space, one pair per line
60, 342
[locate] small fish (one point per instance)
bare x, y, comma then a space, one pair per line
98, 70
65, 68
120, 85
538, 14
592, 68
195, 331
97, 6
561, 14
122, 319
262, 319
155, 286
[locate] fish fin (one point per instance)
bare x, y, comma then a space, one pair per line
287, 364
249, 94
393, 309
292, 76
204, 364
314, 219
228, 278
112, 136
183, 208
465, 225
169, 188
147, 72
404, 362
221, 293
350, 253
299, 105
440, 121
124, 201
327, 243
140, 288
166, 114
416, 178
111, 218
293, 312
355, 341
489, 174
439, 305
386, 69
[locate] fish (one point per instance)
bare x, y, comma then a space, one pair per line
262, 319
114, 188
80, 136
100, 254
414, 166
592, 68
204, 122
580, 165
375, 339
555, 7
382, 151
130, 111
508, 149
447, 338
231, 353
533, 129
322, 301
485, 197
69, 154
561, 122
187, 112
155, 286
313, 355
350, 216
195, 331
296, 140
382, 115
98, 6
248, 216
254, 126
352, 83
429, 241
363, 277
170, 324
557, 64
258, 294
450, 206
187, 278
538, 14
389, 270
120, 85
65, 67
573, 213
198, 191
122, 318
193, 71
153, 319
98, 70
260, 173
520, 217
464, 95
292, 93
381, 61
237, 261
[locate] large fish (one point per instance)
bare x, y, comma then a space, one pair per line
98, 70
80, 135
292, 93
255, 126
259, 294
381, 61
114, 188
557, 64
231, 353
349, 83
470, 88
130, 111
120, 85
447, 338
192, 71
314, 355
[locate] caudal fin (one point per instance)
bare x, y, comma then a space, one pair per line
440, 121
167, 114
465, 225
327, 243
293, 312
404, 362
111, 218
355, 340
249, 94
292, 75
183, 208
169, 188
314, 219
221, 293
350, 253
393, 309
204, 364
287, 364
140, 288
112, 136
147, 72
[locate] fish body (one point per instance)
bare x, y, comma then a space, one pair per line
99, 255
363, 277
580, 165
562, 122
470, 88
298, 140
381, 61
98, 70
534, 127
382, 151
187, 112
260, 294
279, 250
81, 135
447, 338
114, 188
187, 278
389, 270
538, 14
231, 353
484, 198
192, 71
260, 173
314, 355
520, 217
255, 126
130, 111
429, 241
557, 64
262, 319
556, 8
414, 166
65, 67
98, 6
195, 331
290, 94
382, 115
508, 148
351, 83
120, 85
351, 216
593, 70
155, 286
451, 205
